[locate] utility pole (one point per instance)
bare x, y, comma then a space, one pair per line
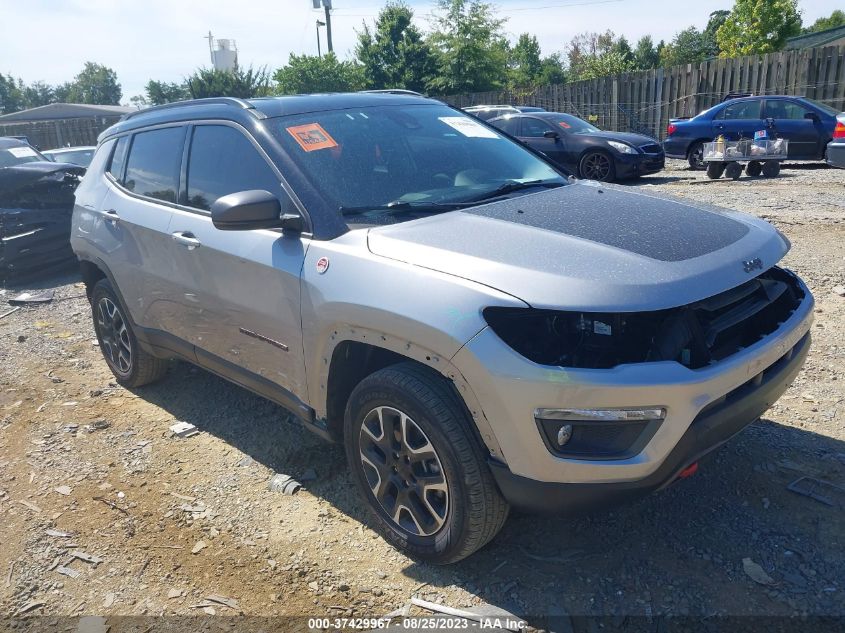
319, 24
327, 5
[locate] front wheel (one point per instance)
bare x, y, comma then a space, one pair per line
418, 465
597, 166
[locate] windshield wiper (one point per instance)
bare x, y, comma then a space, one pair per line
516, 185
403, 206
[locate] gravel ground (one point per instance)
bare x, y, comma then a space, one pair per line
88, 466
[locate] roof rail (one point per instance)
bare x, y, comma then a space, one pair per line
394, 91
232, 101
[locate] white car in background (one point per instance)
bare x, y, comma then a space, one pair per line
81, 155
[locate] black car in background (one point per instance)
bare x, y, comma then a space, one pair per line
583, 149
487, 112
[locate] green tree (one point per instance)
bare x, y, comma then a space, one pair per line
158, 92
835, 19
309, 73
527, 67
610, 63
11, 94
37, 94
717, 19
553, 71
758, 26
622, 48
646, 55
245, 84
470, 47
96, 84
687, 47
394, 53
594, 55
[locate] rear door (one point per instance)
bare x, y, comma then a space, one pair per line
133, 219
804, 135
239, 298
739, 119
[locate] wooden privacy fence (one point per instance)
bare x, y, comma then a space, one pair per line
644, 101
60, 132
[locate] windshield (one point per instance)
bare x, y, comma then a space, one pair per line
10, 156
405, 156
574, 125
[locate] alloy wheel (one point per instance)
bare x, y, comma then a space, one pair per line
596, 167
403, 471
696, 156
114, 336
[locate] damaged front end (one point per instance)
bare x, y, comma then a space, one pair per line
36, 204
694, 335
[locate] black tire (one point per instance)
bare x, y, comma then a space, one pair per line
452, 524
597, 166
771, 168
695, 156
733, 171
715, 170
131, 365
754, 168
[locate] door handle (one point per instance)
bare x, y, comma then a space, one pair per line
186, 239
112, 217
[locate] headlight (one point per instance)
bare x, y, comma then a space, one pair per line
622, 148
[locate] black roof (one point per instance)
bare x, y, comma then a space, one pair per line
261, 108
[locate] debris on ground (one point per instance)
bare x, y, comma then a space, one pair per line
839, 290
822, 491
184, 429
9, 313
67, 571
63, 490
88, 558
97, 425
29, 606
756, 573
27, 298
198, 547
284, 484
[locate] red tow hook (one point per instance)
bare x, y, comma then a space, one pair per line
689, 471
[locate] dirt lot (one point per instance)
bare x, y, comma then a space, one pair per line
175, 520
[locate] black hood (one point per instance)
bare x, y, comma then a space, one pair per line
637, 140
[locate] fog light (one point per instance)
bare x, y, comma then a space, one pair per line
564, 434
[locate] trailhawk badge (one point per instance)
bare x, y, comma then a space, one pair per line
322, 265
747, 266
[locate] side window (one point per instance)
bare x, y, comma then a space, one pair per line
152, 168
534, 128
224, 161
781, 109
118, 159
741, 110
509, 125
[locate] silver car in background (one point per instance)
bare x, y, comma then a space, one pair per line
479, 331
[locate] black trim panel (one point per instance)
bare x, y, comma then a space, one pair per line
715, 425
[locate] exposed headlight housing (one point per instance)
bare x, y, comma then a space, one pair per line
622, 148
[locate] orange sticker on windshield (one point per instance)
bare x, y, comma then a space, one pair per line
564, 124
311, 137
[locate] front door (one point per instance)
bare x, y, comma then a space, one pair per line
240, 290
533, 133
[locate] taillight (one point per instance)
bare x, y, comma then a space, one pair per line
671, 129
839, 130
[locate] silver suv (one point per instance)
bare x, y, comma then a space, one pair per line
478, 330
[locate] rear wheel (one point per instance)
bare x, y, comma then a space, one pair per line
131, 365
695, 156
417, 463
597, 166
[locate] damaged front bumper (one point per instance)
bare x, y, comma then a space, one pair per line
36, 204
703, 408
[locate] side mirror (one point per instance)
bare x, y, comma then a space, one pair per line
812, 116
550, 134
247, 210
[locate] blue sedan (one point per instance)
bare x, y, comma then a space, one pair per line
807, 124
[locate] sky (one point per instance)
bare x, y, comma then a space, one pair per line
50, 40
